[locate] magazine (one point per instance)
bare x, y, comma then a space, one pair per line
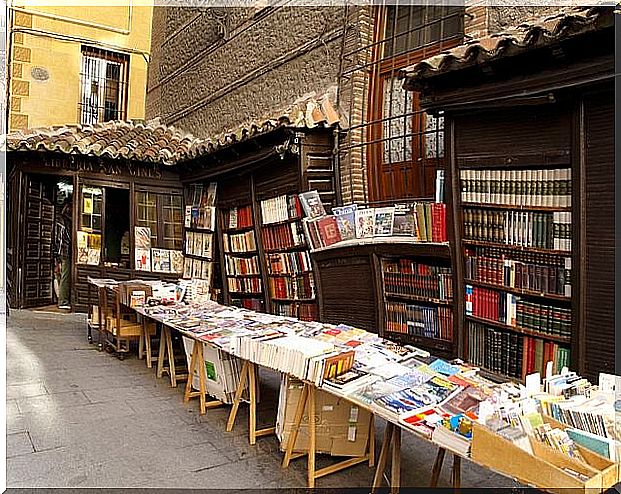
346, 220
311, 202
365, 222
384, 221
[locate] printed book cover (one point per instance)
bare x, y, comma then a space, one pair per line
405, 220
312, 205
384, 221
365, 222
328, 230
346, 220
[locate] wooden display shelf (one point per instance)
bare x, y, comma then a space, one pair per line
246, 294
517, 291
200, 258
433, 343
419, 298
294, 248
282, 222
524, 331
289, 300
198, 229
243, 275
240, 229
515, 207
289, 275
480, 243
242, 254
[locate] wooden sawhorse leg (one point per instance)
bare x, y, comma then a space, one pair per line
166, 352
248, 373
390, 445
197, 359
308, 397
455, 472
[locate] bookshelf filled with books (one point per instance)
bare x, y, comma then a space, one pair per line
418, 302
516, 246
291, 282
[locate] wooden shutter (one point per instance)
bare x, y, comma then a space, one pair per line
37, 274
599, 235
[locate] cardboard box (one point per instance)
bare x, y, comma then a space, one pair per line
544, 469
342, 428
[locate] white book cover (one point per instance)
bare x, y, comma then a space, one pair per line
384, 218
365, 222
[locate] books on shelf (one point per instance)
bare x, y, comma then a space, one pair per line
298, 287
419, 320
200, 211
288, 262
197, 268
519, 228
300, 310
283, 236
407, 277
240, 266
542, 187
238, 218
244, 285
239, 242
199, 244
281, 208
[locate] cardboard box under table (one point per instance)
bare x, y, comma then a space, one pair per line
545, 468
342, 428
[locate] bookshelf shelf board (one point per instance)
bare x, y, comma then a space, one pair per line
480, 243
282, 222
238, 230
242, 254
200, 258
524, 331
289, 300
442, 248
243, 275
295, 248
246, 294
418, 298
436, 344
198, 229
289, 275
514, 207
518, 291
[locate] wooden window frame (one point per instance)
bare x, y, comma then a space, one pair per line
159, 205
381, 72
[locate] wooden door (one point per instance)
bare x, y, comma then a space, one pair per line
38, 240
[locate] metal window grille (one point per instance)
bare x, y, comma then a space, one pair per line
104, 77
401, 145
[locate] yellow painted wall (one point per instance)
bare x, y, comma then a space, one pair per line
51, 37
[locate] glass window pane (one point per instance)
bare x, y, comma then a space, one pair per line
398, 122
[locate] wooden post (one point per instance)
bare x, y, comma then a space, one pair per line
383, 457
312, 435
148, 346
162, 352
143, 334
437, 467
395, 480
188, 384
372, 442
293, 436
238, 394
252, 425
456, 473
202, 377
171, 358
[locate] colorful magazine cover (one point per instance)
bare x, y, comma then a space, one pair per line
365, 222
142, 259
176, 261
311, 202
384, 221
142, 237
404, 222
346, 220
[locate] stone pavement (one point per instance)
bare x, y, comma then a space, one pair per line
77, 417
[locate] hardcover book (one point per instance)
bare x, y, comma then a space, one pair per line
404, 222
311, 202
346, 220
365, 222
328, 230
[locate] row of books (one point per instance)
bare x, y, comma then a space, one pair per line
538, 352
545, 274
238, 217
509, 309
521, 228
419, 320
543, 187
244, 285
407, 277
285, 236
288, 262
236, 266
199, 244
197, 268
302, 311
298, 287
495, 350
255, 304
199, 195
239, 242
281, 208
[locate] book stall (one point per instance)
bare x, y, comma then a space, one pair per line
558, 429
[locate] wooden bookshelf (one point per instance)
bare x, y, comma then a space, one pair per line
536, 250
517, 329
514, 207
518, 291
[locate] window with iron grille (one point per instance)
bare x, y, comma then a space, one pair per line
401, 144
103, 78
